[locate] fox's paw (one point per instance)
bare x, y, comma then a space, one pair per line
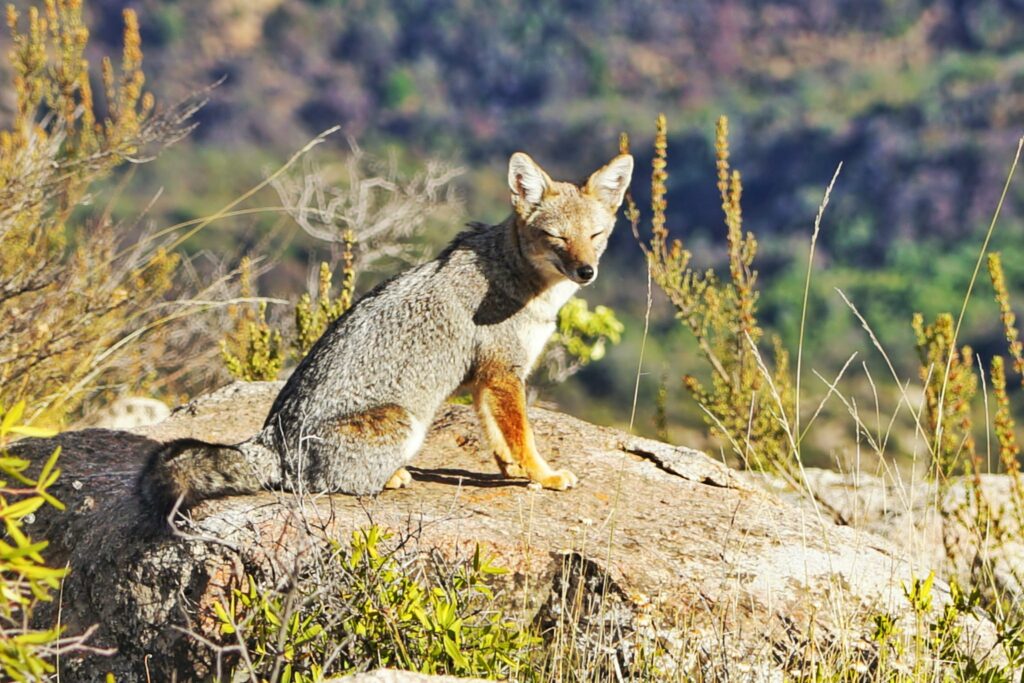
559, 481
399, 480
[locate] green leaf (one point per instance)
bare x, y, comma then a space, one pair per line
51, 500
225, 620
28, 430
23, 507
453, 651
12, 417
36, 637
44, 474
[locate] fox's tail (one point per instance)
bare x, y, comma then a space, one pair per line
184, 472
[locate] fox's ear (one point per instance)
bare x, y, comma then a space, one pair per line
608, 185
527, 180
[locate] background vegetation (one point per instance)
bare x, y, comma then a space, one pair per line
919, 100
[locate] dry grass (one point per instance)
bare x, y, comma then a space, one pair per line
72, 290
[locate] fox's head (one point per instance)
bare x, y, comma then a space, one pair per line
564, 228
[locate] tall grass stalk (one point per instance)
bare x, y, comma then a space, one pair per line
803, 309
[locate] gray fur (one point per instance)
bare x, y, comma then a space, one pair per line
413, 342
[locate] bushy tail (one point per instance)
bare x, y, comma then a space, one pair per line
190, 471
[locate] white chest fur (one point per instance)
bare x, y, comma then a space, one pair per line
535, 337
545, 309
555, 296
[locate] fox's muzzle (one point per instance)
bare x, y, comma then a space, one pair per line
581, 274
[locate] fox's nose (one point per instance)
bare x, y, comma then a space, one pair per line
585, 273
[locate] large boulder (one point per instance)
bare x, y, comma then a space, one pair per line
658, 545
966, 527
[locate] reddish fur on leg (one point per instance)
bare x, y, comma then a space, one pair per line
501, 403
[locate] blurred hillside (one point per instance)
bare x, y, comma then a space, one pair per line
922, 102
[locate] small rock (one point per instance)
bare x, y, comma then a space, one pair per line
128, 412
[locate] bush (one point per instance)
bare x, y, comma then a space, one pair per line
365, 606
581, 337
26, 654
254, 351
73, 296
747, 402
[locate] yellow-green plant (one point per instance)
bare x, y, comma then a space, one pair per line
371, 608
71, 298
1003, 422
925, 643
581, 337
748, 400
253, 351
26, 654
585, 333
1009, 320
312, 319
950, 386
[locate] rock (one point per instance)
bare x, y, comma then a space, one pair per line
658, 545
935, 526
994, 555
127, 412
905, 513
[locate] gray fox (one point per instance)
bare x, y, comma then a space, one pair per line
357, 407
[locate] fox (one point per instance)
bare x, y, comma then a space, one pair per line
356, 409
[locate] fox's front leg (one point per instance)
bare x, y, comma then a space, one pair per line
500, 399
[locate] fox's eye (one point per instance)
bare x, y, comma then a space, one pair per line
597, 234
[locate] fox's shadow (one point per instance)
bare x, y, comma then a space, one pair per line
459, 477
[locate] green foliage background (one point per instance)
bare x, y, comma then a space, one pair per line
919, 99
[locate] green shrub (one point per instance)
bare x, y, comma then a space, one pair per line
950, 385
364, 606
26, 654
72, 298
747, 401
252, 351
311, 320
581, 337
